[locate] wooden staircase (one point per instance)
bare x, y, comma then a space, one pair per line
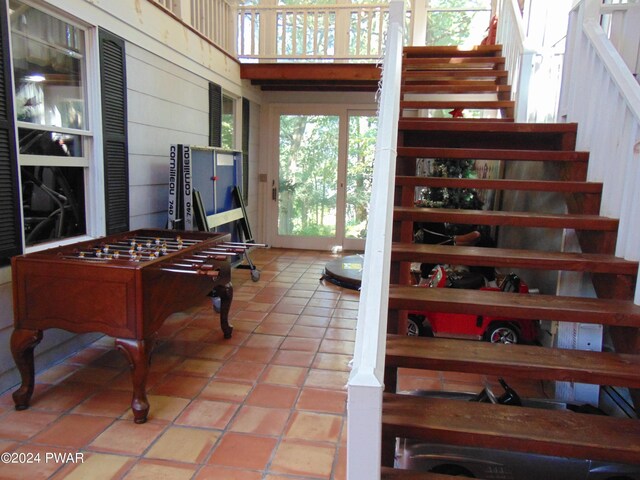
433, 78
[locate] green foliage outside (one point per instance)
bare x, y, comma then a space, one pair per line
308, 174
450, 24
362, 146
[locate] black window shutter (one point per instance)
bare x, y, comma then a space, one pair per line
10, 235
246, 115
113, 82
215, 115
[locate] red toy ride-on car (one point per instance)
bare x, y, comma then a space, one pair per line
479, 327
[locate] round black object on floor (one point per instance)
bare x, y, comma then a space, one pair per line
345, 272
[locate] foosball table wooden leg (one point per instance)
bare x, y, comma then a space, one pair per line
225, 293
138, 353
23, 342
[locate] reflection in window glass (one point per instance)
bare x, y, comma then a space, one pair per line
41, 142
53, 203
48, 56
228, 122
49, 72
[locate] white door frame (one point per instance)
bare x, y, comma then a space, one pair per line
312, 243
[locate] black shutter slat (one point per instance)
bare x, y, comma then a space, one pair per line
113, 81
215, 115
10, 234
246, 116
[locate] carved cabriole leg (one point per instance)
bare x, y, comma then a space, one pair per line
23, 341
225, 292
138, 353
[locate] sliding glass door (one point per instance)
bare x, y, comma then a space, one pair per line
323, 179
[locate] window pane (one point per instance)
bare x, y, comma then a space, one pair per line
40, 142
53, 202
456, 27
228, 122
486, 4
48, 56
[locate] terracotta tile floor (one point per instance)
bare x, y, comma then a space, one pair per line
269, 403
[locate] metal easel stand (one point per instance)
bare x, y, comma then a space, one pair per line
239, 216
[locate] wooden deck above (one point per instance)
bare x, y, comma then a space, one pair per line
333, 77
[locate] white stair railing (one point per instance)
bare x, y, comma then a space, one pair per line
600, 93
365, 386
518, 58
621, 23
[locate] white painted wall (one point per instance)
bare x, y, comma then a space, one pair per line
168, 70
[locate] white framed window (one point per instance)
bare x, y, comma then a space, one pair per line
55, 139
228, 122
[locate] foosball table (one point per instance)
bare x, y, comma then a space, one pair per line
122, 285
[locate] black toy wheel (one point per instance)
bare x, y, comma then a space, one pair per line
501, 332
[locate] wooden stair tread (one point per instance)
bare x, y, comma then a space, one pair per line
547, 432
426, 89
488, 126
540, 363
520, 219
466, 104
459, 119
515, 305
451, 51
501, 184
417, 63
494, 154
505, 257
389, 473
426, 75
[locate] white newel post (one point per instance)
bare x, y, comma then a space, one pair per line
365, 386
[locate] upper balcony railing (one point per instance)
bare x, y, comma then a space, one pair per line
337, 32
312, 32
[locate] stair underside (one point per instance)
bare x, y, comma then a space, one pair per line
524, 361
515, 305
511, 428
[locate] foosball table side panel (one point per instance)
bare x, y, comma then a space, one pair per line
78, 298
166, 293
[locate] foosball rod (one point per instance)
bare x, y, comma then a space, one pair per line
246, 245
124, 245
225, 252
159, 240
210, 273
